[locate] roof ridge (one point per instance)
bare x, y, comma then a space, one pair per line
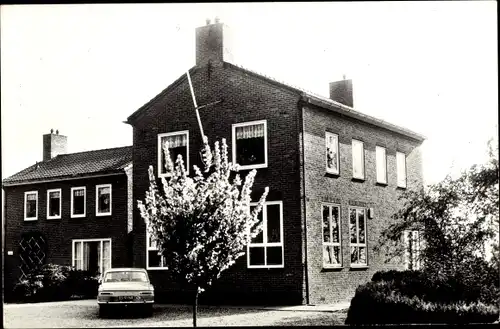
106, 149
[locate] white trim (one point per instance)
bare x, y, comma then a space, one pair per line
379, 165
264, 242
159, 153
357, 244
363, 174
233, 137
73, 241
60, 179
25, 199
97, 187
148, 249
84, 202
48, 203
402, 180
331, 243
328, 170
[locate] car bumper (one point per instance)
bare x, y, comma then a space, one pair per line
141, 302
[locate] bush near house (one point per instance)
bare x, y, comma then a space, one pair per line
52, 282
415, 297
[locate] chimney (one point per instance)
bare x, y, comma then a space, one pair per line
341, 91
212, 41
54, 144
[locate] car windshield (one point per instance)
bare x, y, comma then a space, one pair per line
126, 276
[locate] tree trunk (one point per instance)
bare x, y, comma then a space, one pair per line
195, 307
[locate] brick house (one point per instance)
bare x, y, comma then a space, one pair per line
69, 209
334, 176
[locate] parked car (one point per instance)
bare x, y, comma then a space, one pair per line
128, 287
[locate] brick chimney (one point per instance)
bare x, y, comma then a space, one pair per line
54, 144
212, 43
341, 91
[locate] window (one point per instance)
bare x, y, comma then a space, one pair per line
250, 144
266, 249
357, 228
153, 259
178, 144
358, 160
332, 153
92, 255
381, 164
401, 169
412, 249
54, 204
31, 205
332, 256
103, 200
78, 197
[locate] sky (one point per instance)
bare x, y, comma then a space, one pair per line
83, 69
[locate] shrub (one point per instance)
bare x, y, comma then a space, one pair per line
83, 283
379, 303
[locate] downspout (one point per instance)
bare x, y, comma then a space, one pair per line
303, 196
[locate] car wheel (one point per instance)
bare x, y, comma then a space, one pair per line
103, 311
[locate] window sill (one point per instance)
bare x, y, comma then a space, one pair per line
269, 267
327, 268
359, 267
153, 268
103, 214
78, 216
250, 167
332, 174
381, 184
401, 188
30, 219
359, 180
54, 217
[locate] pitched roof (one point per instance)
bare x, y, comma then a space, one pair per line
75, 165
306, 95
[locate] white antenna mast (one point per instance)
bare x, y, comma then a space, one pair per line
195, 105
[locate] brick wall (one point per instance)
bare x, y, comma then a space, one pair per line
61, 232
245, 98
331, 285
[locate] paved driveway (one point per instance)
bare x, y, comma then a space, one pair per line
84, 313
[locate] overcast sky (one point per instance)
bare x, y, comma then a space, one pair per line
83, 69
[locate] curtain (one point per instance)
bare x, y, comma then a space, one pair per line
175, 141
106, 256
86, 249
254, 131
78, 255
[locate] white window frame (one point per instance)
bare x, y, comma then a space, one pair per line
415, 250
244, 124
401, 181
159, 153
153, 248
25, 203
331, 243
357, 244
381, 166
264, 242
84, 201
48, 203
74, 241
363, 174
97, 213
328, 170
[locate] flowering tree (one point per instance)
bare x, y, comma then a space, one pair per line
201, 224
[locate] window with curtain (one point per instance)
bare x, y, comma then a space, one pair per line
332, 153
357, 230
54, 204
381, 163
358, 159
266, 249
332, 256
103, 200
92, 255
78, 201
250, 144
178, 144
401, 169
31, 205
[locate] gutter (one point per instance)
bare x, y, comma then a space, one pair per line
58, 179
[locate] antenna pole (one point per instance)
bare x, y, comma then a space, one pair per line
195, 105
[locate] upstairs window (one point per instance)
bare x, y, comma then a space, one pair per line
412, 249
31, 205
357, 228
332, 255
266, 249
178, 144
78, 198
250, 144
332, 153
381, 159
103, 200
401, 169
358, 160
54, 204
